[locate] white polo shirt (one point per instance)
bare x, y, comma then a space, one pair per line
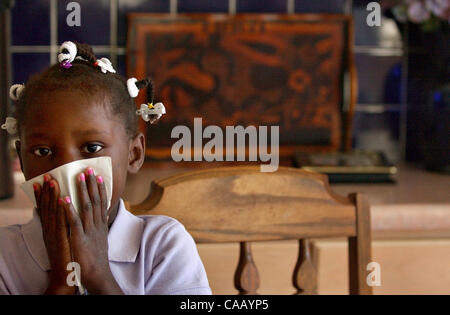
151, 254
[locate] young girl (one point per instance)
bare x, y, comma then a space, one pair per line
75, 110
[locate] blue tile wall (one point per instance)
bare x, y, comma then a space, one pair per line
261, 6
95, 23
30, 22
202, 6
125, 7
122, 65
319, 6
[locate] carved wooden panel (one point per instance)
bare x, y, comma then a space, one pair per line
283, 70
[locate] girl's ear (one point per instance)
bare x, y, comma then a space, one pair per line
136, 154
17, 144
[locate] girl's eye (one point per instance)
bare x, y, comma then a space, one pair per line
42, 152
92, 148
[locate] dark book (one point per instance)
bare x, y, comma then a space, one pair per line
351, 167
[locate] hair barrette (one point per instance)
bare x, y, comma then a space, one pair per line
105, 65
15, 91
67, 54
148, 110
133, 90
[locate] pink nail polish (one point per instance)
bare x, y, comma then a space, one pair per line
35, 186
46, 178
99, 179
52, 184
90, 171
60, 201
67, 199
82, 177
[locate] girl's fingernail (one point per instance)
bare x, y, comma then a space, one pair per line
35, 186
67, 199
82, 177
52, 184
99, 179
46, 178
90, 171
60, 201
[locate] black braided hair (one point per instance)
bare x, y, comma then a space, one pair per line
85, 77
147, 83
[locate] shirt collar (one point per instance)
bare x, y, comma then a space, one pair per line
125, 235
124, 238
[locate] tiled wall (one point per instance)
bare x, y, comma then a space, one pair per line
38, 26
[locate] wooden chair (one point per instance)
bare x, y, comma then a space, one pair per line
241, 204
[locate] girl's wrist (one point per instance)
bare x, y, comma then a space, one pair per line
59, 289
58, 284
105, 285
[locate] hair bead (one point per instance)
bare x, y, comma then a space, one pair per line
15, 91
67, 53
10, 125
133, 90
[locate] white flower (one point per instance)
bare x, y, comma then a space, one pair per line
10, 125
156, 110
418, 12
439, 7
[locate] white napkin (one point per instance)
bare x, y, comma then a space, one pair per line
66, 175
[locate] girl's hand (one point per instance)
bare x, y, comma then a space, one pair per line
89, 235
55, 233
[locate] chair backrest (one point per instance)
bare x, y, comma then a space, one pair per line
241, 204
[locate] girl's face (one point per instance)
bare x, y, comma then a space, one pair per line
61, 127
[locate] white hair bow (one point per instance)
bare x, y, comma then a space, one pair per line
105, 65
148, 110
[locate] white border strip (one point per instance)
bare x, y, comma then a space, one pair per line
290, 6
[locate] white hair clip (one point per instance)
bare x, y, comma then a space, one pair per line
67, 54
10, 125
149, 109
15, 91
105, 65
133, 90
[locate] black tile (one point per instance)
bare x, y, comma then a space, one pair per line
122, 65
26, 64
95, 22
202, 6
319, 6
30, 22
126, 7
279, 6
